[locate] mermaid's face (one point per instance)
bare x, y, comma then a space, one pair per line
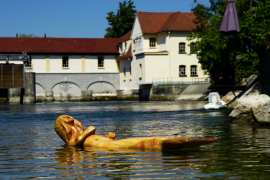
68, 128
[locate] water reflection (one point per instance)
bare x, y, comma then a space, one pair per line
30, 148
127, 163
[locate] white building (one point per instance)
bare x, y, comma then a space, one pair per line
68, 68
157, 50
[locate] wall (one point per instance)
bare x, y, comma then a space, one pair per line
153, 93
76, 64
39, 63
127, 83
137, 32
72, 86
156, 66
136, 61
177, 59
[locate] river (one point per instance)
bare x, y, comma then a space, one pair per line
31, 149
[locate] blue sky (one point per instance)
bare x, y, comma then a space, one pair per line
70, 18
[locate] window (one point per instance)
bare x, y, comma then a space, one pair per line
193, 71
28, 63
125, 45
182, 71
65, 62
130, 76
182, 48
134, 43
100, 62
192, 48
140, 71
124, 73
152, 42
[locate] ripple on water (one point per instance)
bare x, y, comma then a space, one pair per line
30, 148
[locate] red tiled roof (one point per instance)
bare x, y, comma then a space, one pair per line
152, 23
127, 55
191, 15
126, 37
59, 45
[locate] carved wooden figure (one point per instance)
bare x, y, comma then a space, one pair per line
72, 132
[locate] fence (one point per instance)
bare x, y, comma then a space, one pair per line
179, 81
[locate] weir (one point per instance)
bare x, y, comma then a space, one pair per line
16, 86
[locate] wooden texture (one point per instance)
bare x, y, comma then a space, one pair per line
72, 132
11, 76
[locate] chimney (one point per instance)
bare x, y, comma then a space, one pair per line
16, 35
45, 35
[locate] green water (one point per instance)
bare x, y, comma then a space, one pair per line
30, 149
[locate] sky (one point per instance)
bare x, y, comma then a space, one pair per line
70, 18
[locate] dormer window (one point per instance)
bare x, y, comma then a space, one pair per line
152, 42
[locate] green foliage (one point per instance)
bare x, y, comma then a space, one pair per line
217, 52
122, 21
27, 35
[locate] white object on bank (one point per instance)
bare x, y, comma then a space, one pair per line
214, 102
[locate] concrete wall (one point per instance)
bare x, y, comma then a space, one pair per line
75, 86
195, 92
166, 92
154, 93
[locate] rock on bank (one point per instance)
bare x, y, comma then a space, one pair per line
251, 107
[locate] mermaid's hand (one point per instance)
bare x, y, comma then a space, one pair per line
80, 139
111, 135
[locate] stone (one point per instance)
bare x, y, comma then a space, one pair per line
261, 113
243, 110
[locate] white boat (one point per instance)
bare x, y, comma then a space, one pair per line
214, 102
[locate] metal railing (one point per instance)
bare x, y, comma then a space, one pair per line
179, 81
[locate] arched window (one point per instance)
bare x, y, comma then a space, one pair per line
193, 71
152, 42
182, 48
65, 63
192, 48
182, 71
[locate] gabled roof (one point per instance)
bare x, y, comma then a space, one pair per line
126, 37
127, 55
59, 45
152, 23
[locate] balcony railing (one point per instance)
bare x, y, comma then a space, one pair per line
180, 81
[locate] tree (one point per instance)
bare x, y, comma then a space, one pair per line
122, 21
27, 35
217, 52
